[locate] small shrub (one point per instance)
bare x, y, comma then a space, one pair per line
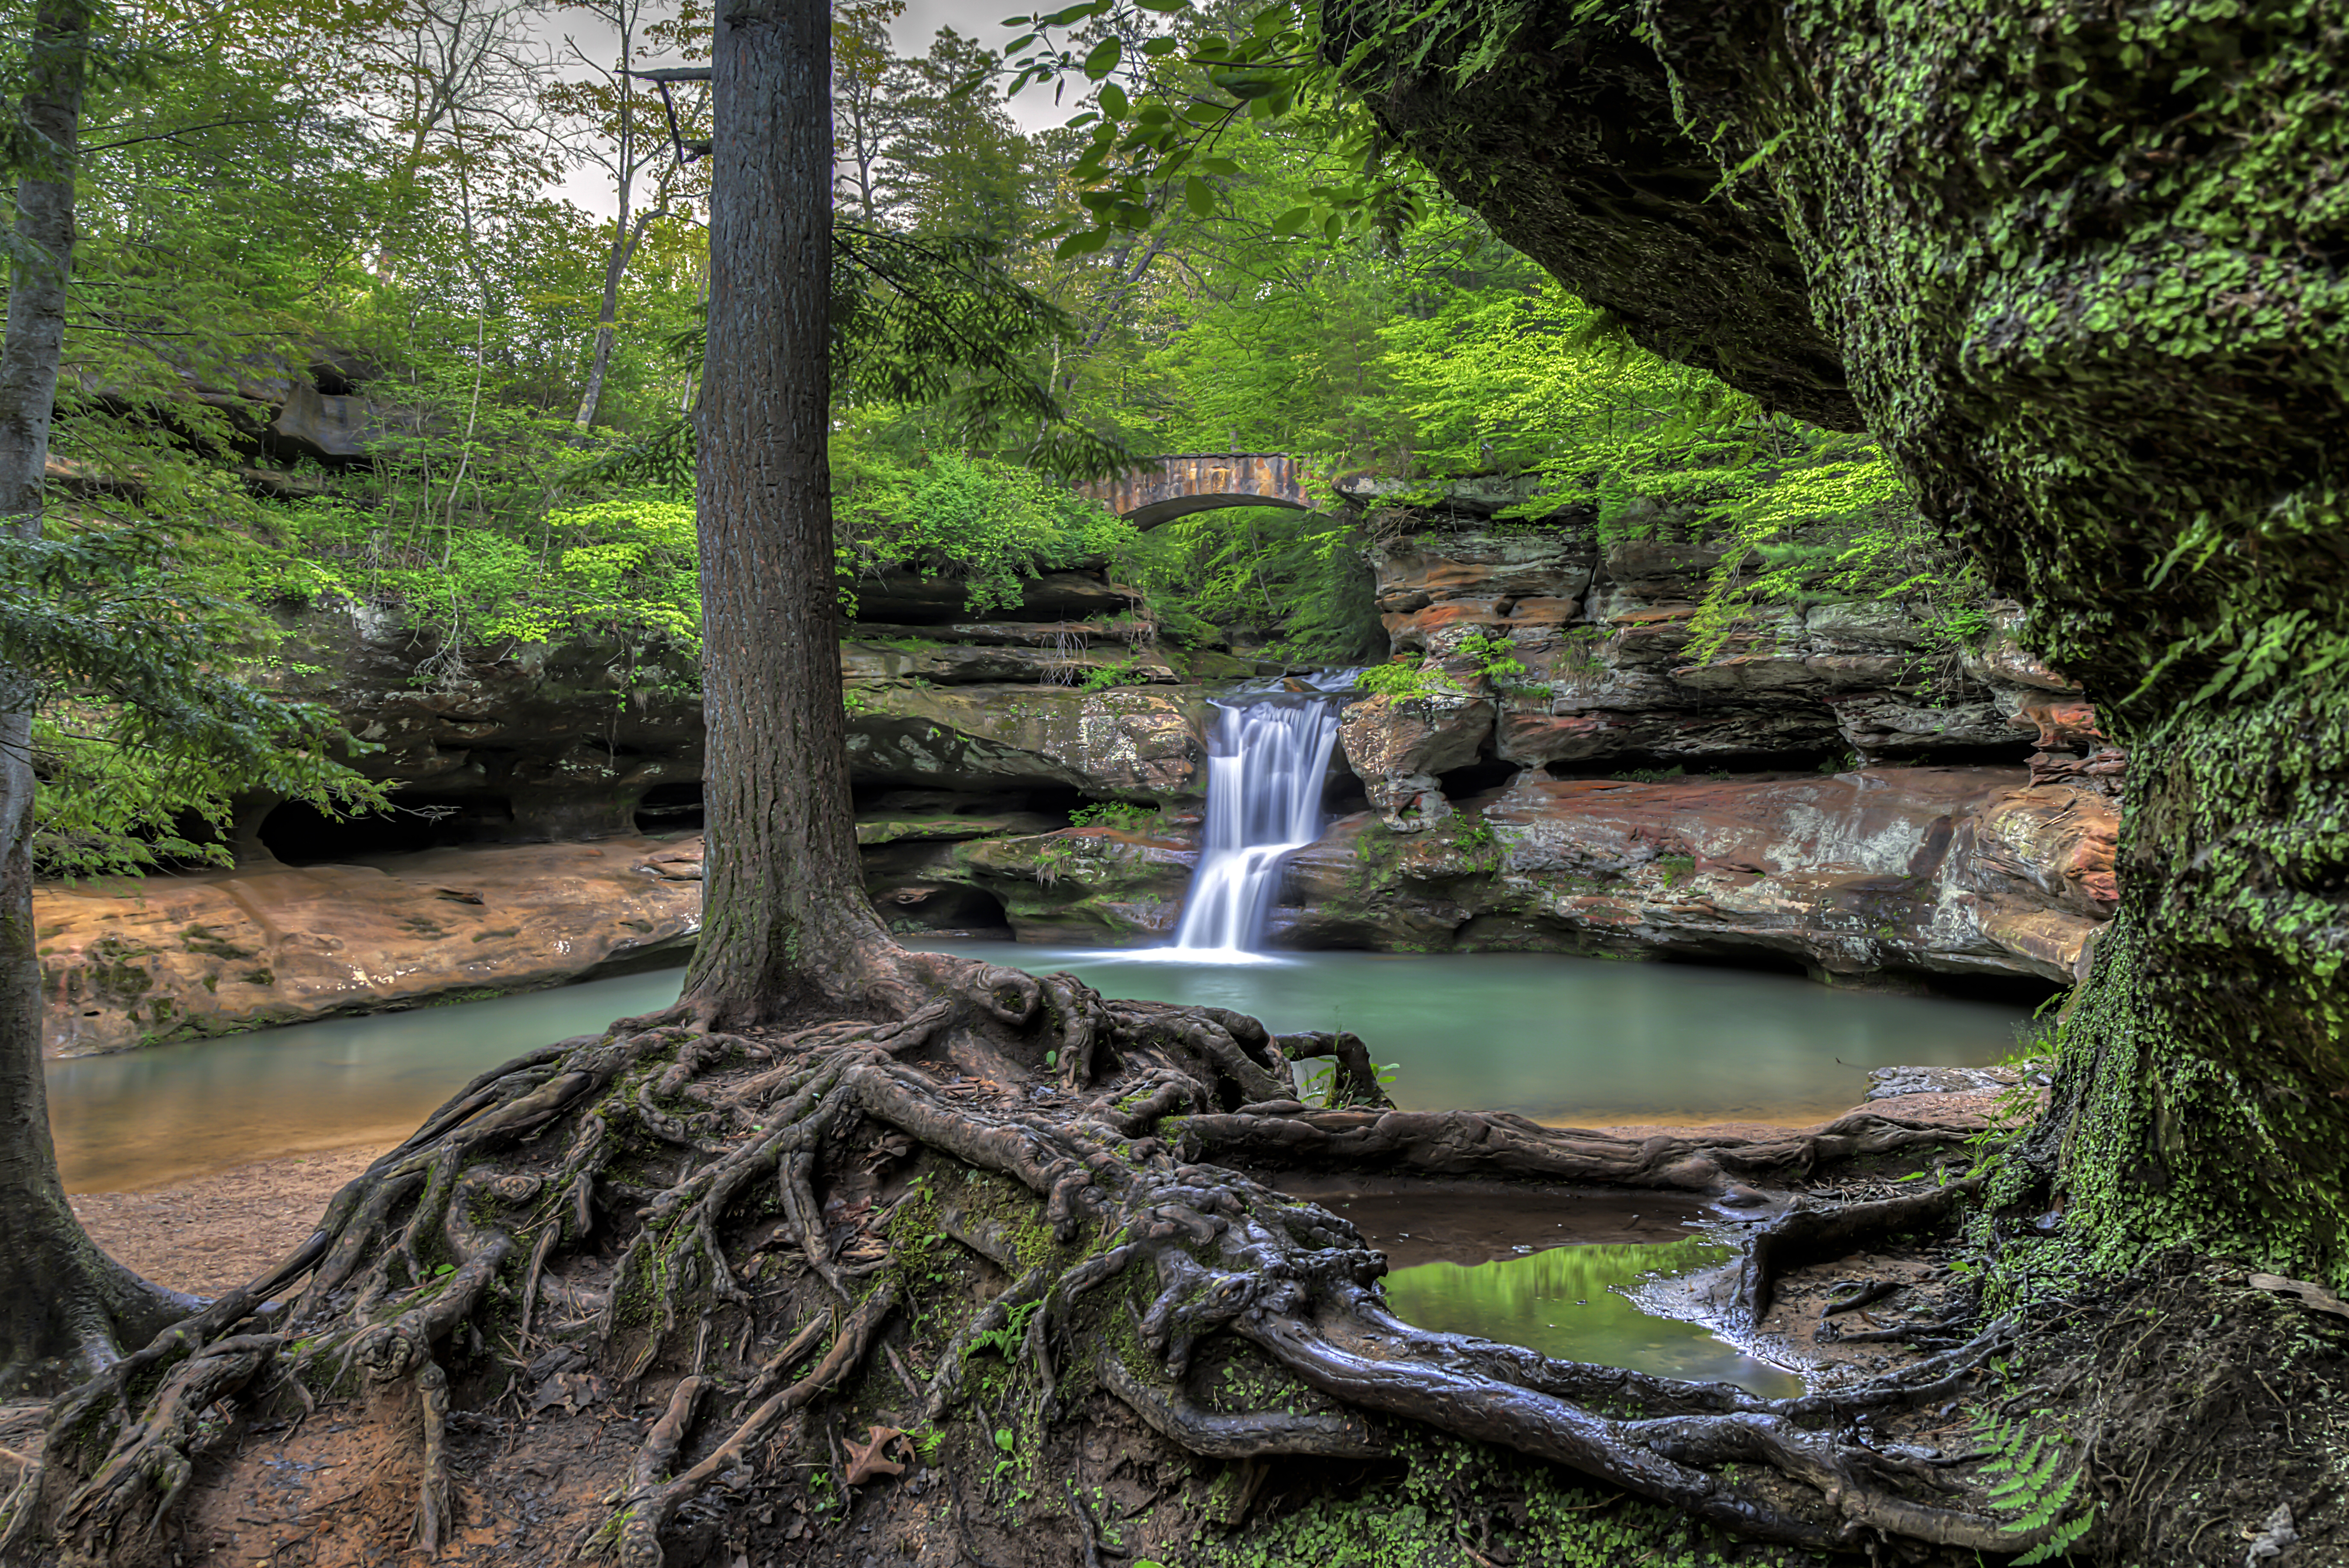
1124, 816
1108, 677
1400, 680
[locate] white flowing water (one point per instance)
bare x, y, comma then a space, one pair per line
1267, 758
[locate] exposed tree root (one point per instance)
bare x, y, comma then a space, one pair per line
668, 1177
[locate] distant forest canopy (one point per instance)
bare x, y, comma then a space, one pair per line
354, 213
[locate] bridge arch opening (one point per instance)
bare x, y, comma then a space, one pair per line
1159, 490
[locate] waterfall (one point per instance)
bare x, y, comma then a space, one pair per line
1267, 756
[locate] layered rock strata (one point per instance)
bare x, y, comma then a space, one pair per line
1601, 629
590, 737
1608, 796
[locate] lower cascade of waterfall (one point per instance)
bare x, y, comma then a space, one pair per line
1267, 759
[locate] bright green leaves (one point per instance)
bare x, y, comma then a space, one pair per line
147, 699
993, 524
1169, 94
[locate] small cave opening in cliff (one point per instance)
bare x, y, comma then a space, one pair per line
943, 909
1484, 774
672, 808
1035, 809
299, 834
2015, 753
1344, 795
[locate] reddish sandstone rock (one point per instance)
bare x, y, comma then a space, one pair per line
1947, 870
130, 962
1398, 745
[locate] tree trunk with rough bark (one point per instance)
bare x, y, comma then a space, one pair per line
785, 915
63, 1303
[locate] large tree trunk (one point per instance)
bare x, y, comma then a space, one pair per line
785, 916
63, 1303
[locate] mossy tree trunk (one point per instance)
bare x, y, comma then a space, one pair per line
63, 1303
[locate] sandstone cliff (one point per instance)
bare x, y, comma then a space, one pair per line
1611, 798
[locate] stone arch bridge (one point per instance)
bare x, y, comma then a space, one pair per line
1160, 490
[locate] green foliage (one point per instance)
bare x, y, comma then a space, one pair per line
1839, 526
1403, 679
1124, 816
1451, 1496
1496, 660
145, 726
1109, 677
1005, 1342
2034, 1472
1298, 575
623, 568
989, 523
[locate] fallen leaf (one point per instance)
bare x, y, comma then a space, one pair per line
871, 1457
2308, 1294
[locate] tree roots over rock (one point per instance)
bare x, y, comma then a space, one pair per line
979, 1224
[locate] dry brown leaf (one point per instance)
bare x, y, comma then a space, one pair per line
871, 1459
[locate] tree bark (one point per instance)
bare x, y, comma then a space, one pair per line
785, 918
63, 1303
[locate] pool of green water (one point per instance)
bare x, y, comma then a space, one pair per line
1560, 1039
1568, 1040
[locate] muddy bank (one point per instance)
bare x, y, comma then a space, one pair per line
210, 1233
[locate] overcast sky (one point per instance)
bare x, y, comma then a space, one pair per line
980, 19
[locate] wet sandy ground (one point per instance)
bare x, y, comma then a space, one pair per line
215, 1233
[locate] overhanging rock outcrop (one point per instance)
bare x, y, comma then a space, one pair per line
2081, 268
1567, 143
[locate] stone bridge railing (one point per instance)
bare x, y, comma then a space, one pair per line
1159, 490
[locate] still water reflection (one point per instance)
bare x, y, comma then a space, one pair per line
1566, 1302
1571, 1039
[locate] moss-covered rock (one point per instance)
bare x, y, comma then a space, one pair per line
2082, 267
1567, 143
1129, 743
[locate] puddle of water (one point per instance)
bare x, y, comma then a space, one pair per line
1570, 1303
1467, 1259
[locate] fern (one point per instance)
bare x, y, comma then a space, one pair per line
2033, 1477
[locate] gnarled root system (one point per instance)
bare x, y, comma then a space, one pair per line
734, 1229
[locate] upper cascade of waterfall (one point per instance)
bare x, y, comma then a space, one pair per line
1267, 758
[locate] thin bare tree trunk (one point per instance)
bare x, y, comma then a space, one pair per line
786, 919
63, 1303
625, 238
